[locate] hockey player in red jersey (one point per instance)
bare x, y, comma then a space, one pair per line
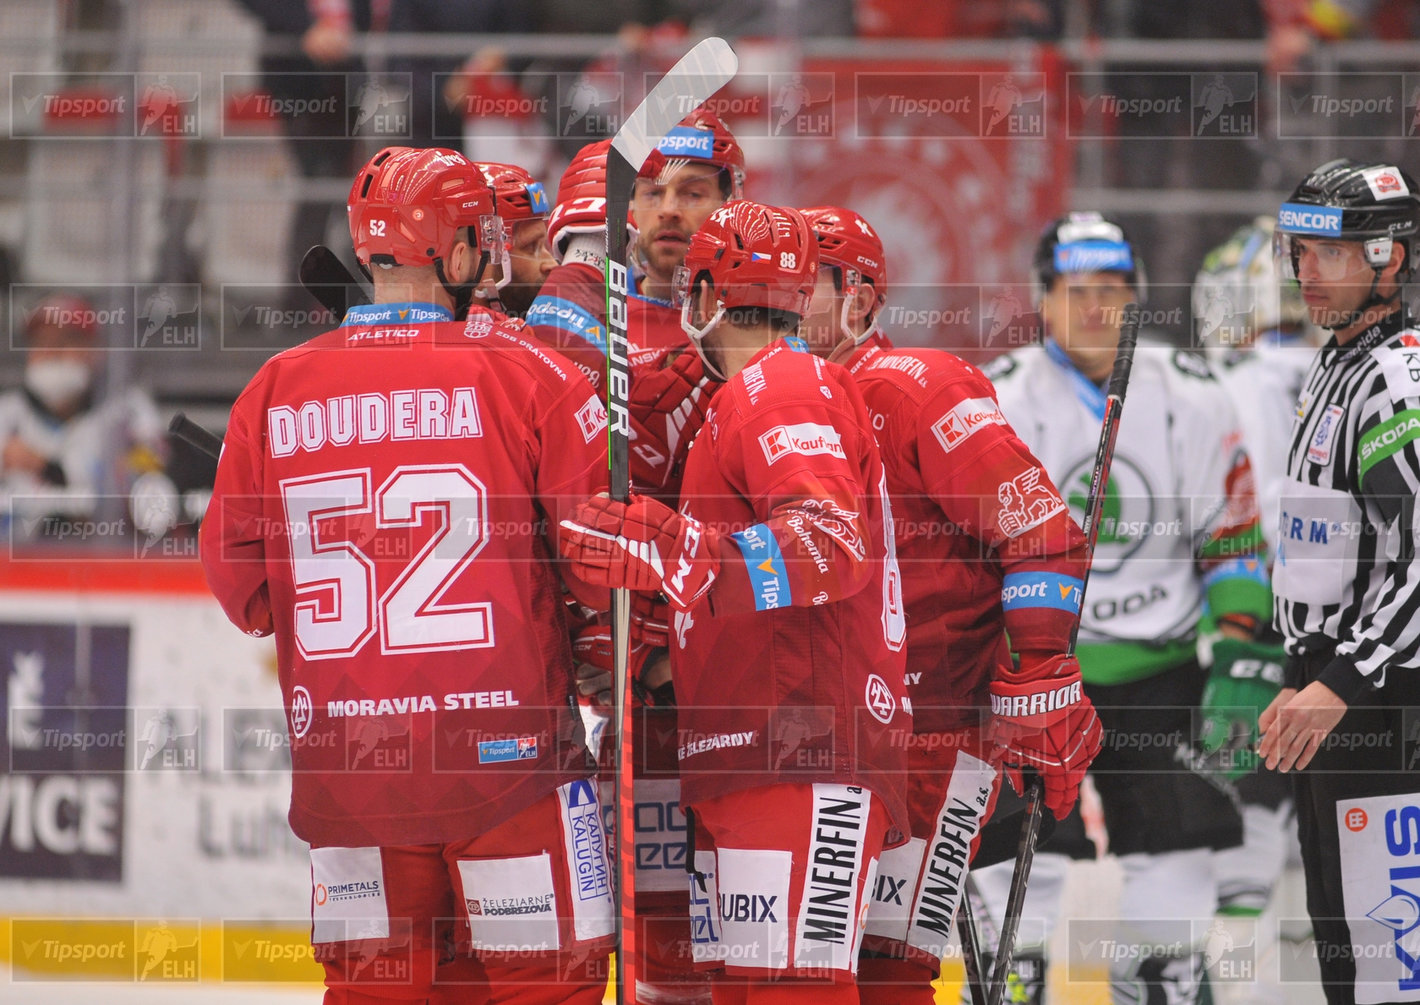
986, 547
527, 257
696, 168
382, 506
788, 630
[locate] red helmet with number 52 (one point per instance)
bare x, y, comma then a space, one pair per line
754, 256
407, 205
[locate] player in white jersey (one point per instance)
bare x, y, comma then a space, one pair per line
1179, 528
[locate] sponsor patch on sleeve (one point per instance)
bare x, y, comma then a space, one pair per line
806, 438
768, 574
1387, 439
1041, 589
965, 418
591, 418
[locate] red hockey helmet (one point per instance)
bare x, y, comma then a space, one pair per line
581, 198
847, 241
754, 256
699, 137
407, 205
517, 194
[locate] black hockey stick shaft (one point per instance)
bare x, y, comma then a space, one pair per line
194, 435
699, 74
1094, 507
326, 278
970, 951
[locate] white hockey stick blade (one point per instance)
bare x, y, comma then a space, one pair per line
696, 76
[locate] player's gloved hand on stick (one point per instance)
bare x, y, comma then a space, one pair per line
1041, 718
1244, 679
651, 620
593, 664
641, 545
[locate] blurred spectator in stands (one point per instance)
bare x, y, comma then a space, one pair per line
768, 18
434, 122
321, 143
1041, 19
73, 457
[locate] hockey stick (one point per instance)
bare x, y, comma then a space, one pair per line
195, 436
326, 278
1094, 505
699, 74
996, 842
970, 950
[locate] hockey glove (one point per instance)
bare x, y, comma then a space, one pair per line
650, 620
1245, 677
668, 407
592, 658
641, 545
1042, 719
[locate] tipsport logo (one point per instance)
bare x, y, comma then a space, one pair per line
107, 105
150, 317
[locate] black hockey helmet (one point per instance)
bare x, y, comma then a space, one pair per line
1084, 242
1347, 201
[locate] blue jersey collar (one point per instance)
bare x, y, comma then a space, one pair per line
1091, 395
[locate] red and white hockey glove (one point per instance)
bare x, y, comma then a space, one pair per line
668, 407
650, 620
1041, 718
641, 545
592, 660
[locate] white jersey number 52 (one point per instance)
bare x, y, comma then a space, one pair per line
337, 611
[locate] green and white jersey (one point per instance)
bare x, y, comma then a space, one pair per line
1346, 578
1179, 525
1263, 384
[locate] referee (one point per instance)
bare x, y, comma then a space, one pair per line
1346, 583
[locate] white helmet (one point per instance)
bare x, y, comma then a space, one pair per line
1239, 294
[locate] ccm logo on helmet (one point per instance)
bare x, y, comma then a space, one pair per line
1036, 704
1309, 219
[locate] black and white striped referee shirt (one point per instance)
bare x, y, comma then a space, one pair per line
1346, 583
